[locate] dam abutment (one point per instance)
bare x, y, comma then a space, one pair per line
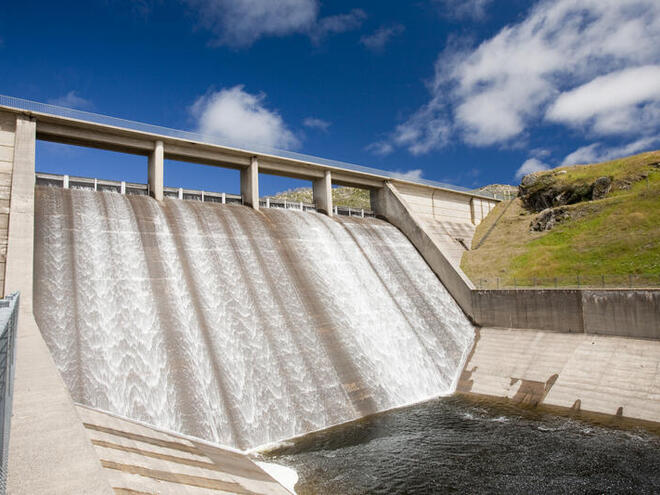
617, 312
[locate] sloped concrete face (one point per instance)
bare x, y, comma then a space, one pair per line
138, 458
600, 374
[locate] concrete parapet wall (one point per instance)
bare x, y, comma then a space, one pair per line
633, 313
601, 374
555, 310
388, 203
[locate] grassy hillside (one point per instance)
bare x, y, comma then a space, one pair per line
341, 196
614, 236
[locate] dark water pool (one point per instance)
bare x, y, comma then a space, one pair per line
459, 445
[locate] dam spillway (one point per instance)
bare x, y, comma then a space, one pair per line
236, 326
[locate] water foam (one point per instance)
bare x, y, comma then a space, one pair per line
236, 326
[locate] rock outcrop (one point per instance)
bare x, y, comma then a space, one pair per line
541, 190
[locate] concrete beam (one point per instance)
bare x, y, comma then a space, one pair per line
322, 191
250, 183
66, 134
156, 171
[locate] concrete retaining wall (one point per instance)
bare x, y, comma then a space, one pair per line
633, 313
556, 310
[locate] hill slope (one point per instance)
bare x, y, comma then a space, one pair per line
341, 196
556, 230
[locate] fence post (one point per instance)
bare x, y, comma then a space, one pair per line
123, 187
498, 283
578, 280
555, 282
515, 283
202, 196
602, 281
96, 183
267, 202
224, 198
301, 206
630, 280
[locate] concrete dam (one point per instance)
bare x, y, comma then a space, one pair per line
161, 334
236, 326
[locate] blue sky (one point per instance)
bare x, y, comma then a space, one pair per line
467, 92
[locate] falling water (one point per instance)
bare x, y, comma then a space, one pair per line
237, 326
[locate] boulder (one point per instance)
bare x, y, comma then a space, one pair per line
601, 188
548, 218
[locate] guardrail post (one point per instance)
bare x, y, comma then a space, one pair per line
65, 182
250, 183
224, 198
122, 189
96, 184
267, 202
156, 171
181, 193
322, 192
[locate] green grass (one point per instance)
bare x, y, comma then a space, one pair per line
616, 236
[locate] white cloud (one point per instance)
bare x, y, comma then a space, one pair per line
242, 119
71, 100
377, 40
463, 9
336, 24
316, 123
428, 129
381, 148
611, 101
494, 93
414, 174
598, 152
240, 23
530, 166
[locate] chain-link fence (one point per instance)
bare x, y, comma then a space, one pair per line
576, 281
8, 325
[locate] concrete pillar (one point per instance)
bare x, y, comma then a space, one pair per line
156, 171
18, 274
250, 184
322, 190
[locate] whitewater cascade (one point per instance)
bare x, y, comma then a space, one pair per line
237, 326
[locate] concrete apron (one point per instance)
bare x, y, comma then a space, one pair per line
614, 376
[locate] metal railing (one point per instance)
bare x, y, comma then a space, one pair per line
122, 187
70, 113
8, 325
72, 182
576, 281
